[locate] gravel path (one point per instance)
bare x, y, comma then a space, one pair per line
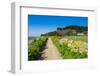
51, 52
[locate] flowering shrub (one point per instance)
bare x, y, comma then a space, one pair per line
71, 48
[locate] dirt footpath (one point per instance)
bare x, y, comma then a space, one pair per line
51, 52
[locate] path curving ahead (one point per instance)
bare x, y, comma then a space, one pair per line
51, 52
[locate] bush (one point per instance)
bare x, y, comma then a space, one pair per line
68, 52
36, 47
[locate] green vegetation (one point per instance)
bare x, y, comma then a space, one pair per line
36, 47
70, 50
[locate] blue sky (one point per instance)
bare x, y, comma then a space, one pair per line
40, 24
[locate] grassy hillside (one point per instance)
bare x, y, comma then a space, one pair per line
72, 30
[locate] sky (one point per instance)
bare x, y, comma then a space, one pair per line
40, 24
